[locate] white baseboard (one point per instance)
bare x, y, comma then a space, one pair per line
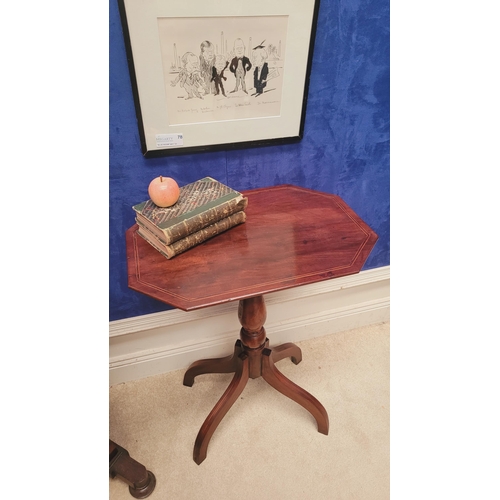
158, 343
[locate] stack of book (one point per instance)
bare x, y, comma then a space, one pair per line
204, 209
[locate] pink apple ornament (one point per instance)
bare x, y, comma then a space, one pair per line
164, 191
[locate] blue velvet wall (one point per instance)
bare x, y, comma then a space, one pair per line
345, 149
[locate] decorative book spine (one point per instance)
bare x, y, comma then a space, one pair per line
197, 222
194, 239
208, 232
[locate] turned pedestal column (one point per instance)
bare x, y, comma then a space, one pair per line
251, 358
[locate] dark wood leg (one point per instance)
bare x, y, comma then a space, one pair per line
227, 364
220, 409
141, 481
288, 350
252, 358
284, 385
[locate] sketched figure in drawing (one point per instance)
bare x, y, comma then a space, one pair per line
261, 71
207, 61
240, 64
218, 73
189, 76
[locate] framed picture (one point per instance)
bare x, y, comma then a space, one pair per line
218, 75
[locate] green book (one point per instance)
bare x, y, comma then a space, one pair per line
200, 204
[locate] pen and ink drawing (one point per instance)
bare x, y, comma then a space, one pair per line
189, 77
220, 65
240, 64
261, 71
222, 68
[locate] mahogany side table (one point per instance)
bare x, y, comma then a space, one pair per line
292, 236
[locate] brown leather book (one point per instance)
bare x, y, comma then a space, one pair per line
191, 240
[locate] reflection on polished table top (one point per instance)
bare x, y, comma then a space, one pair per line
292, 236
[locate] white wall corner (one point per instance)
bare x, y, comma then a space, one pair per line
158, 343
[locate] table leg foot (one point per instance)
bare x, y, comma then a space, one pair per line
284, 385
288, 350
227, 400
141, 482
143, 491
227, 364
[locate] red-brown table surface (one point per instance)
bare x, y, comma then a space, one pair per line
292, 236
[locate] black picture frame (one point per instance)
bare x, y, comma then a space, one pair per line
181, 108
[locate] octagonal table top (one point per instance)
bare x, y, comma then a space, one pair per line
292, 236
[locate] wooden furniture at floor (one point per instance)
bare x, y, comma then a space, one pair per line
141, 482
292, 236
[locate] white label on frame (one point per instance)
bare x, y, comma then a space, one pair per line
166, 140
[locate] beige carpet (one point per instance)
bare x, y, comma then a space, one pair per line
267, 446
